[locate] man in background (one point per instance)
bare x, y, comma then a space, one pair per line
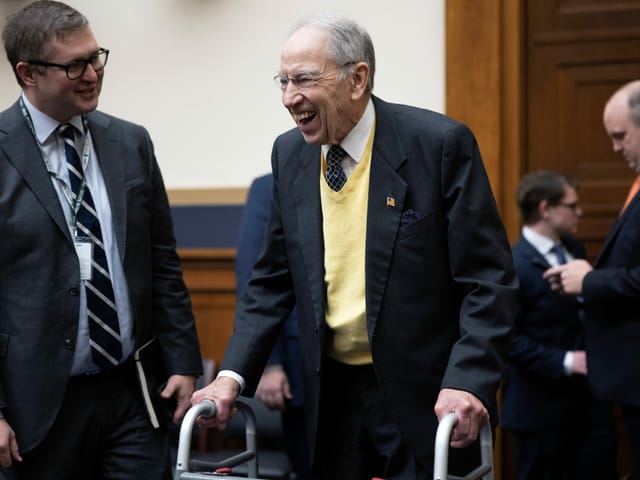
280, 387
97, 338
611, 288
384, 234
560, 430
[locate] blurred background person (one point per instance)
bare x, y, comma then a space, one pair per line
280, 386
611, 288
560, 430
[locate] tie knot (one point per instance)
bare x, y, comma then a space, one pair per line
70, 132
67, 131
559, 252
335, 155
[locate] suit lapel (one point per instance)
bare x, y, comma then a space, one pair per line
306, 192
111, 158
387, 190
617, 225
533, 255
22, 151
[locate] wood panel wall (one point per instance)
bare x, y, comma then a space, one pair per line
484, 79
211, 280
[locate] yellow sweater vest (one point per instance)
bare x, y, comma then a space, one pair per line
344, 224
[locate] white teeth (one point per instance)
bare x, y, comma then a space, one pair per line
302, 116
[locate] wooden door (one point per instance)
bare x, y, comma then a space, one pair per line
577, 52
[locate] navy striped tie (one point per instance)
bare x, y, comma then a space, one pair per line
104, 330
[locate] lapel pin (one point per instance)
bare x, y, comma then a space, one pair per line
391, 202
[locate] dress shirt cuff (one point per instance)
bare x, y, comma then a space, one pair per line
236, 376
568, 363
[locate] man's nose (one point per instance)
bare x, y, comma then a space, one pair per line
291, 94
89, 73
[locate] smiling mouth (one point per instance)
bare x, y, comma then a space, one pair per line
303, 118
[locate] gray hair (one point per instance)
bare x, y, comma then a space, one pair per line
348, 42
29, 32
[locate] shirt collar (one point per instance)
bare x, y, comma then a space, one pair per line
540, 242
44, 125
356, 140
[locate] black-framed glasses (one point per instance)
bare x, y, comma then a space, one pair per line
302, 80
572, 206
76, 69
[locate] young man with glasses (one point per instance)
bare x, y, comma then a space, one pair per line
396, 260
560, 430
96, 330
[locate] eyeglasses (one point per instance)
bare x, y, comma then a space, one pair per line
76, 69
572, 206
302, 80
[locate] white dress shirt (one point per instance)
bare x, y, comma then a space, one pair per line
52, 148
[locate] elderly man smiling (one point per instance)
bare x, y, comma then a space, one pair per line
384, 232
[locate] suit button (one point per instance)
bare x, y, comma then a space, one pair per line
68, 344
317, 371
73, 291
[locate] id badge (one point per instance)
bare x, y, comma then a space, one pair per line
84, 249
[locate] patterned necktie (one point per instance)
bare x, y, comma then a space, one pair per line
104, 330
336, 177
560, 256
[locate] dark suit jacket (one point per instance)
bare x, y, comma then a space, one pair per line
612, 312
40, 278
440, 285
537, 395
251, 236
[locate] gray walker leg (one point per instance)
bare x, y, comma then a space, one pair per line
441, 453
207, 408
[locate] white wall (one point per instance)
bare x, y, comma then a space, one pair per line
197, 73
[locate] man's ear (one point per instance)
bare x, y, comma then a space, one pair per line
359, 80
27, 73
543, 208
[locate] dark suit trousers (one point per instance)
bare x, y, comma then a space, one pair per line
295, 441
631, 417
582, 448
357, 437
101, 432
